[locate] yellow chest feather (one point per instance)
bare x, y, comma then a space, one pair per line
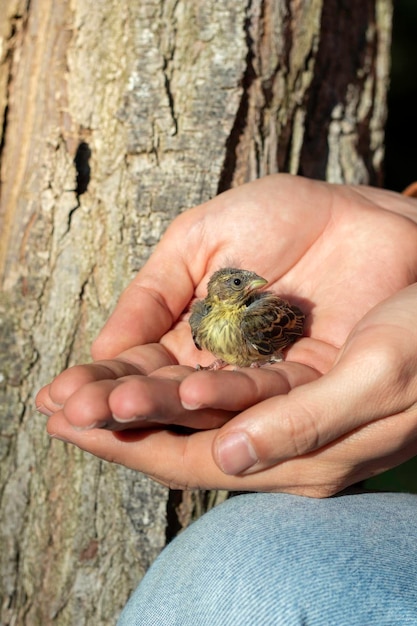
220, 333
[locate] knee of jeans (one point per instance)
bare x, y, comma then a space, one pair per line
250, 531
281, 557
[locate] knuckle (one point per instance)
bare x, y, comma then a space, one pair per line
382, 363
300, 430
386, 363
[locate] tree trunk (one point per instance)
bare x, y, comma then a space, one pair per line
116, 117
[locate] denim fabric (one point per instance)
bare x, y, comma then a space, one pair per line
276, 559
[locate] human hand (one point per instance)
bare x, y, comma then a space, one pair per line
347, 237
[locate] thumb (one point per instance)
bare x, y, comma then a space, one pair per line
155, 298
365, 385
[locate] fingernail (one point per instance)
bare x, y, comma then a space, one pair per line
235, 453
190, 406
127, 420
53, 436
92, 426
41, 408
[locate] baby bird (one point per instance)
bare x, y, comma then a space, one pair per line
241, 325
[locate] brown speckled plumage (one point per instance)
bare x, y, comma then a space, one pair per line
241, 325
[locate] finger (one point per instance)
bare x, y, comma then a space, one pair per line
236, 390
53, 396
185, 461
137, 402
154, 401
138, 360
88, 407
140, 401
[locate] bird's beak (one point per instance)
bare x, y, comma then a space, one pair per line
256, 283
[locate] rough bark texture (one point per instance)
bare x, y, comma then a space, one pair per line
115, 117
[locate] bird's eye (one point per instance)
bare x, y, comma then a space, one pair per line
237, 282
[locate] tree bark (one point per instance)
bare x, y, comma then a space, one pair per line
115, 118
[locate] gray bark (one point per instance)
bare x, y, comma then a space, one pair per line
115, 117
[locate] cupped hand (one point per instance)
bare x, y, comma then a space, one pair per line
337, 252
334, 250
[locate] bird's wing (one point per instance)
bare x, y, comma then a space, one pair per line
270, 324
199, 310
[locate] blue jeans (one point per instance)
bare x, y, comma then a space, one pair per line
276, 559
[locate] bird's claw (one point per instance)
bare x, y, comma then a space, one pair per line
218, 364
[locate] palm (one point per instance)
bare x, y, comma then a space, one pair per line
329, 249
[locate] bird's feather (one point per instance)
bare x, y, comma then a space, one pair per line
240, 324
269, 323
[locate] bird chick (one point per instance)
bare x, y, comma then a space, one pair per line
241, 325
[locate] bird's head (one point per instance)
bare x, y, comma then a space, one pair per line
234, 285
